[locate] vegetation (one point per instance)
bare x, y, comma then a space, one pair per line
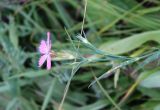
107, 55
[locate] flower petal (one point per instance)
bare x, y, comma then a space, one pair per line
43, 47
48, 40
48, 63
42, 60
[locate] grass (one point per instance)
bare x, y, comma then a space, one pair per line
107, 55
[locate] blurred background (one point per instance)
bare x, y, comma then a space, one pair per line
128, 28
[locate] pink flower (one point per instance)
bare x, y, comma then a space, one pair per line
45, 50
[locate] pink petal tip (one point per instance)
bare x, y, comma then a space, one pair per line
48, 63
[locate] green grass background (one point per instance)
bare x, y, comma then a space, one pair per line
115, 66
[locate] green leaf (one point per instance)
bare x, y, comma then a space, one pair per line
149, 105
12, 105
95, 106
63, 14
131, 43
32, 74
49, 95
13, 33
157, 107
4, 87
151, 80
